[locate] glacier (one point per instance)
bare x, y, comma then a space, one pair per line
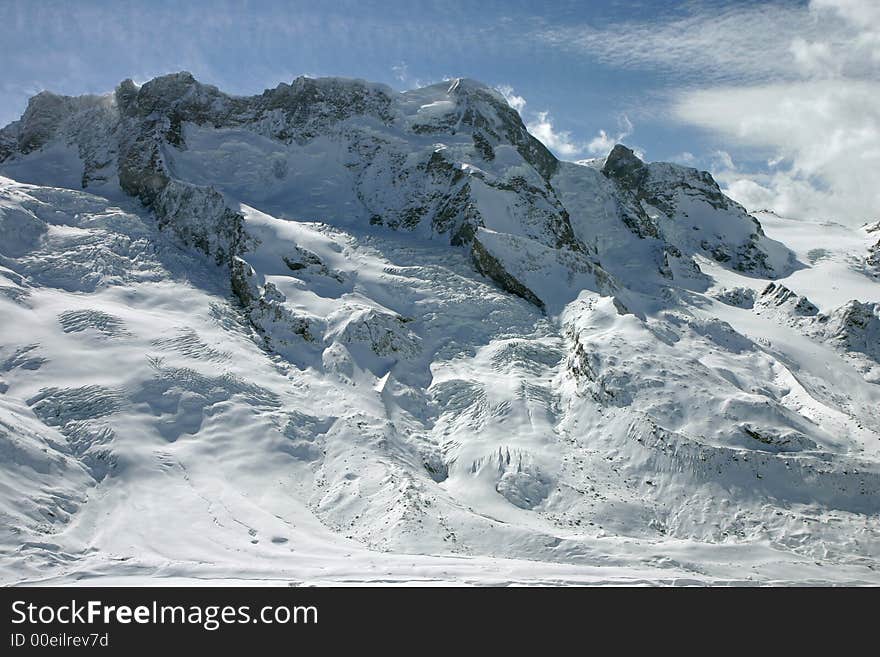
334, 333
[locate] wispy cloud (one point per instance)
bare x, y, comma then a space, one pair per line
743, 42
401, 72
730, 44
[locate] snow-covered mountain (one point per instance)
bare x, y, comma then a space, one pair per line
334, 333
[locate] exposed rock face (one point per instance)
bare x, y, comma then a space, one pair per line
854, 328
9, 140
199, 217
778, 298
630, 173
740, 297
384, 334
489, 265
873, 259
50, 118
788, 441
625, 167
686, 208
41, 119
290, 112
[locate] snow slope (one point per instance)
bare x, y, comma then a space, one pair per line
332, 334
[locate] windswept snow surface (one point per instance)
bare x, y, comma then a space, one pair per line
426, 354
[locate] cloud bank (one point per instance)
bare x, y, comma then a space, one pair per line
823, 137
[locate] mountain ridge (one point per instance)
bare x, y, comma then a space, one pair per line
150, 117
335, 319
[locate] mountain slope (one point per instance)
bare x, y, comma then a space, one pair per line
302, 334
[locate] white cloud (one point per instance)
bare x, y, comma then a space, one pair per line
828, 130
401, 72
540, 124
559, 141
722, 160
862, 13
516, 102
602, 143
686, 158
814, 58
797, 86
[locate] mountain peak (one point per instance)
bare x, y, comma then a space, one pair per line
624, 165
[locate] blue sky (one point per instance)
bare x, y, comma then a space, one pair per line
773, 97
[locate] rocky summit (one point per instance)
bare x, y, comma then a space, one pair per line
333, 332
